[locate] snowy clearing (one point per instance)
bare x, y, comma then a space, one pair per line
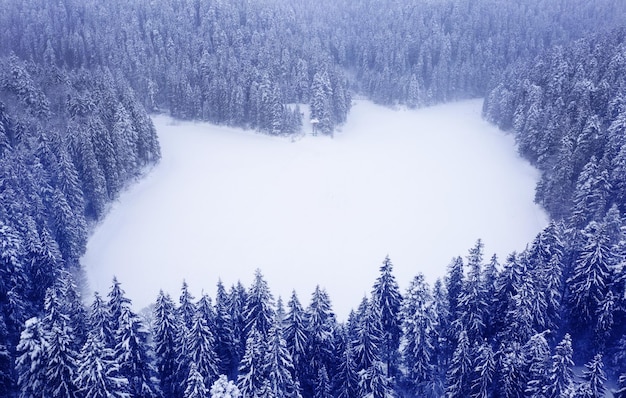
418, 185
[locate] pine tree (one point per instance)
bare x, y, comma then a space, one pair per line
30, 364
279, 367
512, 378
164, 334
60, 357
224, 334
537, 363
117, 302
367, 347
591, 278
593, 378
473, 298
387, 299
99, 322
322, 384
484, 372
133, 355
259, 312
200, 350
296, 337
320, 325
561, 375
97, 374
459, 372
419, 335
187, 308
347, 376
373, 382
236, 308
194, 386
251, 379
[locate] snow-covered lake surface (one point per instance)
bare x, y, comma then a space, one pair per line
418, 185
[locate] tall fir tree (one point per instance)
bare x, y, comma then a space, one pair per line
388, 300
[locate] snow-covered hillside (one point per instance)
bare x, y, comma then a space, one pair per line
418, 185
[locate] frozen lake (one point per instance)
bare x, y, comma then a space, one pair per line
418, 185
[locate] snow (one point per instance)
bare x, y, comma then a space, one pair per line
418, 185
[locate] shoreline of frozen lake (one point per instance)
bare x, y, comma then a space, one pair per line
418, 185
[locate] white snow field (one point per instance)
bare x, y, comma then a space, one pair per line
418, 185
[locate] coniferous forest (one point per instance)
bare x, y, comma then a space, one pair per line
78, 80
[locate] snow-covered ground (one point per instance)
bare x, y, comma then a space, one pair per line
418, 185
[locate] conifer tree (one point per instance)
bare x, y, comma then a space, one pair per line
296, 337
593, 379
165, 331
459, 372
259, 310
224, 334
561, 375
60, 357
387, 298
30, 364
97, 374
347, 376
133, 355
194, 386
484, 372
200, 350
279, 367
419, 336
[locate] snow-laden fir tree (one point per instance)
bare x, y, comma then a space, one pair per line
419, 336
166, 349
484, 372
252, 378
100, 322
187, 308
30, 364
593, 273
593, 378
472, 298
117, 300
322, 384
560, 379
224, 335
200, 351
60, 356
458, 379
296, 337
194, 386
387, 298
320, 326
538, 362
367, 347
278, 366
259, 310
347, 378
97, 373
134, 357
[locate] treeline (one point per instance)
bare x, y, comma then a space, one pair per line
241, 62
69, 142
567, 110
487, 330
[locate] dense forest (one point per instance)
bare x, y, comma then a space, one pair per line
78, 80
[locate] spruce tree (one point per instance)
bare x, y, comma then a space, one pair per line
387, 298
134, 358
30, 365
165, 331
97, 374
